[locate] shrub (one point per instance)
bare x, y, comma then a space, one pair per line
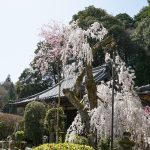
33, 121
80, 140
63, 146
21, 125
19, 135
104, 144
51, 121
125, 142
8, 124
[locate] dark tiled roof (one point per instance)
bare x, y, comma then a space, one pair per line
143, 89
100, 73
144, 94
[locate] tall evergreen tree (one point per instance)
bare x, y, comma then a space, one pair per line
126, 20
116, 31
141, 39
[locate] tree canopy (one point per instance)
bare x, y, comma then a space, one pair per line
141, 40
131, 39
31, 82
114, 26
33, 121
144, 13
126, 20
7, 92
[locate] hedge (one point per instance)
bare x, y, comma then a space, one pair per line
63, 146
8, 124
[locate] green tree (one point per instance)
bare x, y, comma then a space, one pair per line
142, 41
33, 121
3, 96
7, 92
144, 13
142, 34
19, 136
7, 83
9, 86
12, 92
126, 20
142, 56
120, 29
31, 82
88, 16
116, 31
51, 119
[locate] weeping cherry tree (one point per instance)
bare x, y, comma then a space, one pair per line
129, 116
94, 108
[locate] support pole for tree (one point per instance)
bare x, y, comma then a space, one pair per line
58, 105
112, 117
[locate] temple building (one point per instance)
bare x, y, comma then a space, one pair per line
50, 95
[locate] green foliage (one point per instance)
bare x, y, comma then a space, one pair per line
30, 83
88, 16
115, 29
21, 126
3, 130
81, 140
126, 20
12, 92
20, 145
9, 86
7, 92
24, 90
91, 14
134, 51
63, 146
104, 144
144, 13
33, 121
19, 135
142, 54
142, 34
3, 96
51, 119
143, 71
50, 123
126, 143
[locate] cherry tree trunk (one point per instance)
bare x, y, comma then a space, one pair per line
75, 99
91, 87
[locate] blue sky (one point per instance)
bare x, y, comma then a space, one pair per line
21, 20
